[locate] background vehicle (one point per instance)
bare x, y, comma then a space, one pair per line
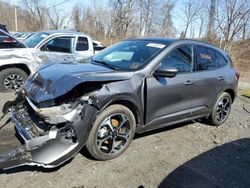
42, 47
21, 36
98, 46
7, 41
3, 27
134, 86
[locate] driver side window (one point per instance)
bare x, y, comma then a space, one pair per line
59, 44
181, 58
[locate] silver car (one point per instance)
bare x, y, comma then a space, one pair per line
42, 47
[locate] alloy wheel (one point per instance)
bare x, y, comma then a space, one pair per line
113, 133
223, 109
13, 82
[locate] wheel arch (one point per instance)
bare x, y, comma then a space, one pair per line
21, 66
130, 104
231, 92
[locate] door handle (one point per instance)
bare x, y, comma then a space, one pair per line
189, 82
220, 78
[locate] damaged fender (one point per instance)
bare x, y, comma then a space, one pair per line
56, 145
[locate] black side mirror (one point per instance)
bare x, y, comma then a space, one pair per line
165, 72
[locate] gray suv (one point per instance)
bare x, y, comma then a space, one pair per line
131, 87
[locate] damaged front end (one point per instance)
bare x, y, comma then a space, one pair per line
50, 135
55, 112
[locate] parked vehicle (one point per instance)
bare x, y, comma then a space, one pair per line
42, 47
7, 41
21, 36
134, 86
98, 46
4, 28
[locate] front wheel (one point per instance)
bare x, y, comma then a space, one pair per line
221, 110
112, 133
12, 79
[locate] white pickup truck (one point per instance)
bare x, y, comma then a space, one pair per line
55, 46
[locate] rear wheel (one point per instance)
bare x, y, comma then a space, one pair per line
221, 110
12, 79
112, 133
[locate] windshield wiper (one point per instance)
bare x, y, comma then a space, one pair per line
105, 64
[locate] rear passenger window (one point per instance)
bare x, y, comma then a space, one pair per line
82, 44
205, 59
221, 62
181, 59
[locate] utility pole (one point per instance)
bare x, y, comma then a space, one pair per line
15, 16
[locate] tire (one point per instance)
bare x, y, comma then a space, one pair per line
221, 110
12, 79
105, 144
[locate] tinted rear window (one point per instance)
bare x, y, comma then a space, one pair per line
205, 58
82, 44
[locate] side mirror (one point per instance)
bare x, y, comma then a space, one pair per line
165, 72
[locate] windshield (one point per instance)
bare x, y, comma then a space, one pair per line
128, 55
33, 40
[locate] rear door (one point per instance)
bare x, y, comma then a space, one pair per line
210, 79
169, 99
84, 48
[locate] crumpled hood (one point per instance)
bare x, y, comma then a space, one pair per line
54, 80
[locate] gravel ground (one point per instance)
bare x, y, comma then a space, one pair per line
186, 155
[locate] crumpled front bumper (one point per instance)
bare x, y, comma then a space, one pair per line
52, 148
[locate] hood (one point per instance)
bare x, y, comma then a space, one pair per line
54, 80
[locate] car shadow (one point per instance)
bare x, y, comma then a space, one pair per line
227, 165
163, 129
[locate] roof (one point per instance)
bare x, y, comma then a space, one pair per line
161, 40
174, 40
50, 32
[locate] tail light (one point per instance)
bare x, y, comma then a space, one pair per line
9, 40
237, 73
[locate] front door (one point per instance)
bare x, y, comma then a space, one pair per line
169, 99
57, 50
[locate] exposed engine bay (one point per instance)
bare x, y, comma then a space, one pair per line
48, 134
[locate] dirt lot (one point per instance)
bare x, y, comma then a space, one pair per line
186, 155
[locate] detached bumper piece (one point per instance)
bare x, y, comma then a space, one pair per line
15, 158
44, 144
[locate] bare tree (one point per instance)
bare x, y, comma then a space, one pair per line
211, 19
76, 17
36, 13
166, 29
246, 26
122, 17
230, 18
191, 11
56, 17
145, 8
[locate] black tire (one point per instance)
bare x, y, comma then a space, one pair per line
214, 119
114, 113
17, 74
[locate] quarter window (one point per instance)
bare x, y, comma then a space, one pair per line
181, 59
221, 62
205, 59
60, 44
82, 44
